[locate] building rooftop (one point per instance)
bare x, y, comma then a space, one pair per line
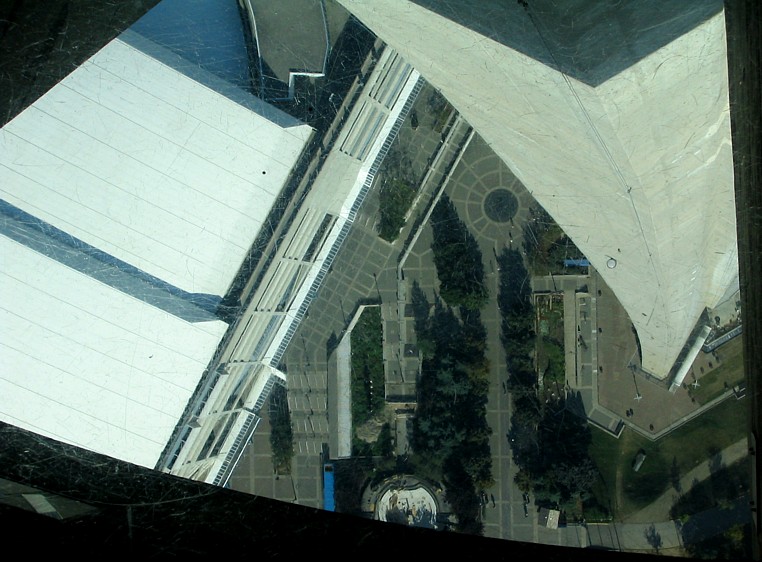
179, 191
90, 365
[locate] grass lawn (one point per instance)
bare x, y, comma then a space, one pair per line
677, 452
550, 361
367, 379
550, 315
729, 372
720, 489
550, 347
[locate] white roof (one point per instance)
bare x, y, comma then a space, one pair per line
638, 168
89, 365
149, 165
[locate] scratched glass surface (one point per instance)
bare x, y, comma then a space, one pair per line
469, 266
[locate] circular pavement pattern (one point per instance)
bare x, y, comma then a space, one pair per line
489, 198
500, 205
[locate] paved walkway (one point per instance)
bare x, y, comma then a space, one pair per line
366, 268
635, 536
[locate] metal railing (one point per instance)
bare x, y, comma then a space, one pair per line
236, 450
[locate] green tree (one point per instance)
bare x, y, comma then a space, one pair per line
367, 381
461, 494
733, 544
450, 431
477, 461
474, 342
523, 480
457, 257
384, 445
573, 480
395, 199
281, 434
546, 245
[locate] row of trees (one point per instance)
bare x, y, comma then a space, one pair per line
450, 431
708, 506
458, 259
367, 381
549, 440
281, 436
